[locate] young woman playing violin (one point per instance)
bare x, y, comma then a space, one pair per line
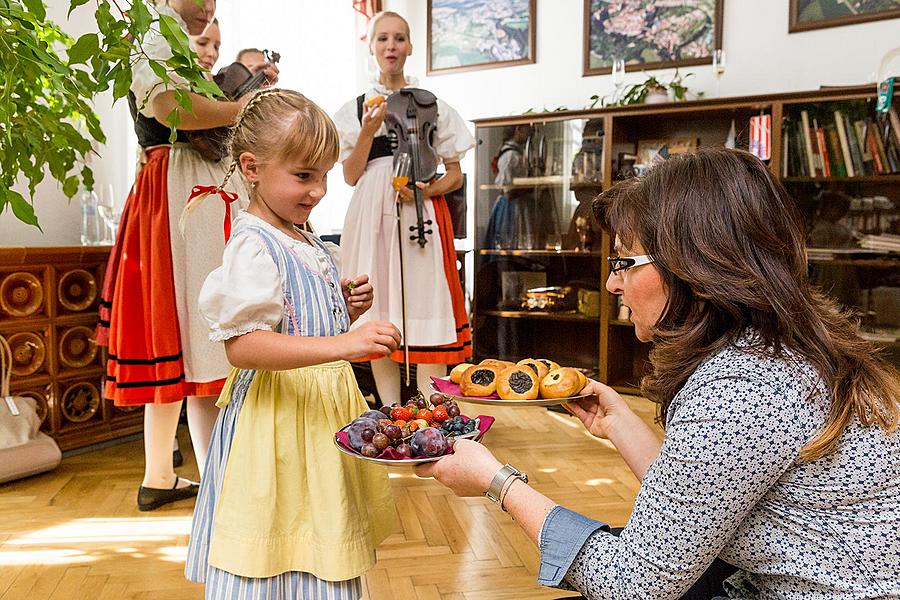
437, 327
159, 350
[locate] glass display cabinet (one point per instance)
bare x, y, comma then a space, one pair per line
540, 268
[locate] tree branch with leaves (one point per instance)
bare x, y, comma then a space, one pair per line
50, 80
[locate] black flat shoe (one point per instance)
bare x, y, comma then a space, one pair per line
177, 458
152, 498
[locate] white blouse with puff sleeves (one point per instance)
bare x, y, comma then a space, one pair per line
245, 293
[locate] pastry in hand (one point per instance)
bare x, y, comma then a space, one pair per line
457, 372
375, 101
518, 382
562, 383
539, 368
548, 363
480, 380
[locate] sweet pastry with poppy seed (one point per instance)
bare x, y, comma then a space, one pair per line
539, 368
480, 380
518, 382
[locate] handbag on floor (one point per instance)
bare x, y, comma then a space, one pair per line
24, 450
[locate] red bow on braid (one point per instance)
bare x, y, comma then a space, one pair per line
201, 191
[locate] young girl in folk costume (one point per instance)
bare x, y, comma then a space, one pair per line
158, 350
438, 331
281, 514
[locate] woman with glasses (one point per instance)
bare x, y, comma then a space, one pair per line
778, 475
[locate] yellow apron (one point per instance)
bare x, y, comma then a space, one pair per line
290, 501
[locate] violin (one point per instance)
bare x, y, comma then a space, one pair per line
235, 80
411, 121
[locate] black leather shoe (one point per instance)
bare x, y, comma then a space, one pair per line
177, 458
153, 498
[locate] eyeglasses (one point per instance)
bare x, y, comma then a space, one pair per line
622, 263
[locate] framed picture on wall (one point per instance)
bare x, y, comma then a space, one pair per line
650, 34
479, 34
817, 14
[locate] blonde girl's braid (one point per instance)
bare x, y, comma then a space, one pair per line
195, 200
276, 124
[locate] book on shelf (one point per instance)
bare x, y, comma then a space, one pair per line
833, 151
821, 150
877, 152
807, 143
868, 161
844, 143
856, 157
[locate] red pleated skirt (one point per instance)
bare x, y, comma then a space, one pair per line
138, 315
461, 349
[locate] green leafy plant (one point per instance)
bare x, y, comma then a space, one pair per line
637, 93
47, 123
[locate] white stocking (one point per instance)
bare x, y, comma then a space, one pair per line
424, 373
160, 423
387, 380
202, 413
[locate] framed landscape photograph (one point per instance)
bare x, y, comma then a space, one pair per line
650, 34
817, 14
479, 34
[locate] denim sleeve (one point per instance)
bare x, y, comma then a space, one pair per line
562, 535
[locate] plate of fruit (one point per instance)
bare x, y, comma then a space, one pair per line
419, 432
530, 382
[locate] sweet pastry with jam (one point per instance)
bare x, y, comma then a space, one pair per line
562, 383
480, 380
518, 382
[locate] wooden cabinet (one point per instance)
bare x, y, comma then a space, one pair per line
49, 301
529, 233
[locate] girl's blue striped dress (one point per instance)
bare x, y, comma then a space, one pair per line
281, 513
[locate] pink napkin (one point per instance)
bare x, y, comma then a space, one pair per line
445, 386
484, 424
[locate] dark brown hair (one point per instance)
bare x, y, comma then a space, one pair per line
728, 243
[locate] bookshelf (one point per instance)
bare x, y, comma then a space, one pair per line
865, 280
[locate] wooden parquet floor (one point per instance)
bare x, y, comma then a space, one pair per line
75, 533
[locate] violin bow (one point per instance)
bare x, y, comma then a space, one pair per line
397, 203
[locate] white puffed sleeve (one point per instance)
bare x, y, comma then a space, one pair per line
144, 82
245, 293
348, 127
452, 138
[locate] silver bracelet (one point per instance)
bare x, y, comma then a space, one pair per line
500, 480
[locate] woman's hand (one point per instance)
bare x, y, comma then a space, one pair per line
271, 70
467, 472
604, 412
372, 119
358, 294
408, 196
374, 337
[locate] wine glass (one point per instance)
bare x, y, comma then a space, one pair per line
401, 171
718, 58
109, 213
618, 77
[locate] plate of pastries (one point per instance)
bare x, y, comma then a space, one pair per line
529, 382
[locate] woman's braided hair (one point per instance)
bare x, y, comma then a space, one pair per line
278, 124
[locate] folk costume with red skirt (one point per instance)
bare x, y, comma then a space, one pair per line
438, 330
159, 350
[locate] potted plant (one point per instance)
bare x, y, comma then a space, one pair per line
47, 122
650, 91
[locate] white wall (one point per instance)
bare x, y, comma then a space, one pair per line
324, 59
761, 58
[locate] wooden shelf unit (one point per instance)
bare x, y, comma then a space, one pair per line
49, 303
616, 355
